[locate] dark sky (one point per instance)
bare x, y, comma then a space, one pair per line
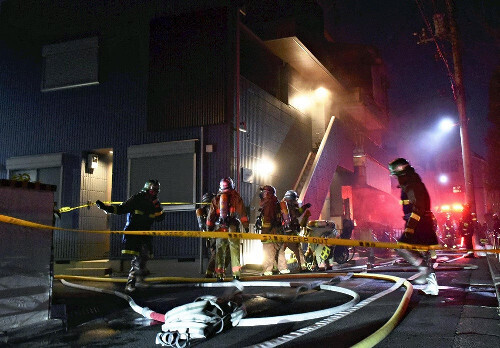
420, 92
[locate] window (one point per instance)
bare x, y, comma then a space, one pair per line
46, 169
70, 64
173, 164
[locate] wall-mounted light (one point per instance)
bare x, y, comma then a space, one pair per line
92, 161
321, 93
264, 167
243, 127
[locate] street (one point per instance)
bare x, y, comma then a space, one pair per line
465, 313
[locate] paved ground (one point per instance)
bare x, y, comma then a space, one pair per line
465, 314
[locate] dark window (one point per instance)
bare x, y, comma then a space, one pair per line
70, 64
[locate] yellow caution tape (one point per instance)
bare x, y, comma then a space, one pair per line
89, 204
67, 209
277, 238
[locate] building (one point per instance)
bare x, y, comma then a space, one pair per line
97, 97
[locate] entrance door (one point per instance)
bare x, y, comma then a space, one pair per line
95, 185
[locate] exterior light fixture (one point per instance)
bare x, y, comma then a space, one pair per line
243, 127
264, 167
321, 93
92, 161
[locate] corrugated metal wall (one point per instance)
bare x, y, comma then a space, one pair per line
275, 131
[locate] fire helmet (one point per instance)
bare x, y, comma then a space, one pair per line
291, 196
207, 197
267, 190
226, 184
399, 167
152, 186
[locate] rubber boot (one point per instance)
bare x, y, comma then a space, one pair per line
432, 288
411, 257
423, 274
134, 275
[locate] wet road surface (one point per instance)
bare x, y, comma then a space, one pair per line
465, 311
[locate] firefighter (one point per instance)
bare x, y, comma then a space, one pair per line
291, 212
420, 226
347, 228
496, 231
223, 215
142, 210
201, 216
449, 232
466, 227
270, 215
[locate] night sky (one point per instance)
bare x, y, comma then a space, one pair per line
420, 92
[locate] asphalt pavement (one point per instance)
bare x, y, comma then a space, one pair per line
464, 314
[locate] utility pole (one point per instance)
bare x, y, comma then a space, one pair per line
460, 101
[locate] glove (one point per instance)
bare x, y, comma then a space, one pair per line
103, 206
307, 206
100, 205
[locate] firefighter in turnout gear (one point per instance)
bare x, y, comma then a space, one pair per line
420, 224
142, 210
201, 216
466, 227
223, 215
291, 212
448, 234
270, 215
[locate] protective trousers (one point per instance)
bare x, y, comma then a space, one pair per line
138, 268
270, 250
299, 253
421, 260
213, 256
221, 252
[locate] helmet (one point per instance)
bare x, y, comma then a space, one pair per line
226, 184
267, 190
152, 186
207, 197
399, 166
291, 196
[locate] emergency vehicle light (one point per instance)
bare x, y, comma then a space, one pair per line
445, 207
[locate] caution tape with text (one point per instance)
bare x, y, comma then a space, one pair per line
278, 238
